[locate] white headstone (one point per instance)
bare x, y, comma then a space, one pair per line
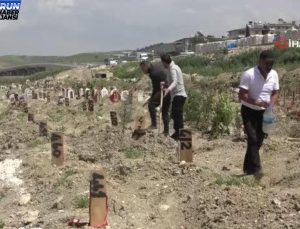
124, 95
104, 92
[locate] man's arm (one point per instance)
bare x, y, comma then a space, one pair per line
174, 82
244, 96
274, 98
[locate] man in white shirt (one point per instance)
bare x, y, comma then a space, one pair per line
177, 91
259, 88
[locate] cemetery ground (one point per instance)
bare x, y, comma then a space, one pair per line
147, 187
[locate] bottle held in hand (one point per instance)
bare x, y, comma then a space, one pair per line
269, 121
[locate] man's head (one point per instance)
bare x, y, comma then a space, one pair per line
145, 66
266, 62
166, 60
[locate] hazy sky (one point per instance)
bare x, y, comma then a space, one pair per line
64, 27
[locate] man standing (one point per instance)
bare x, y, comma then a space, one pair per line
177, 91
259, 89
158, 78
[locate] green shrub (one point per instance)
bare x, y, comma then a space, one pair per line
134, 153
128, 71
211, 112
2, 224
81, 201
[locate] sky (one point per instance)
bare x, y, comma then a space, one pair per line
66, 27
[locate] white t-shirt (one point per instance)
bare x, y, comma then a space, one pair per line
259, 88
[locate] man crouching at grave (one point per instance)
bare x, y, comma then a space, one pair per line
158, 77
259, 88
177, 91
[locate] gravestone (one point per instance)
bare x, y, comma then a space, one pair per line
57, 149
185, 145
114, 118
98, 209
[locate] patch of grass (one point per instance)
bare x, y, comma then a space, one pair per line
81, 201
236, 181
2, 224
64, 181
36, 142
134, 153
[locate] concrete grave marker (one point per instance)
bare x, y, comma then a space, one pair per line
30, 117
71, 94
114, 118
43, 129
84, 105
104, 92
140, 96
139, 130
81, 92
34, 95
124, 95
185, 145
98, 209
48, 97
57, 149
60, 101
67, 102
91, 105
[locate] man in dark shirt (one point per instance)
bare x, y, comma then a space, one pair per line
158, 77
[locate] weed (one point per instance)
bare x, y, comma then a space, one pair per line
2, 224
81, 201
236, 181
133, 153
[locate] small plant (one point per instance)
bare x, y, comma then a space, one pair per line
134, 153
236, 181
35, 143
2, 224
81, 201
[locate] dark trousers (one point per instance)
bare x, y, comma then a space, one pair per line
252, 120
177, 113
155, 102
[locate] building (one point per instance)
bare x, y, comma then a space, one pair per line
259, 28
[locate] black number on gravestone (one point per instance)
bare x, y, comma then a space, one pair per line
185, 145
96, 186
56, 153
184, 133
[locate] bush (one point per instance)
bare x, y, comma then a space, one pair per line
211, 112
128, 71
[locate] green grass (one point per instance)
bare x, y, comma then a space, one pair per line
134, 153
207, 66
81, 201
128, 71
236, 181
36, 142
2, 224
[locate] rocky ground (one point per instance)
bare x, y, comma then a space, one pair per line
146, 184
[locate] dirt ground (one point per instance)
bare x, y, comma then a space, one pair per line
146, 185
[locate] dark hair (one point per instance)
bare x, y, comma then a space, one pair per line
266, 54
166, 58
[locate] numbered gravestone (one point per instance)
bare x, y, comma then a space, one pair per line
30, 117
139, 128
43, 129
91, 105
57, 149
185, 145
114, 118
84, 105
34, 95
67, 102
98, 210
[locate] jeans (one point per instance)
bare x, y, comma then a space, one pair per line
177, 113
252, 120
155, 102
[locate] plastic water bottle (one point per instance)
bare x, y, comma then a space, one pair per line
269, 121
